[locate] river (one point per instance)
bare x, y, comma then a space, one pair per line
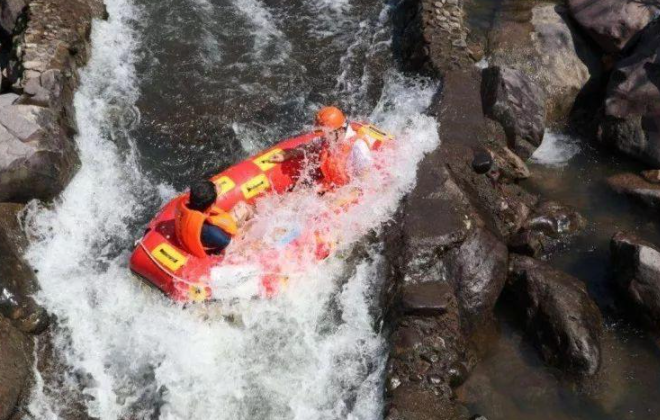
176, 90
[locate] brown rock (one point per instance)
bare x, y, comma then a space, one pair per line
15, 368
637, 274
613, 24
652, 176
17, 280
637, 188
430, 298
539, 41
560, 317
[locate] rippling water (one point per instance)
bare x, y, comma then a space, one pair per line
175, 90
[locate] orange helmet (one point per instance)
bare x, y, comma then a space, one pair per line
330, 117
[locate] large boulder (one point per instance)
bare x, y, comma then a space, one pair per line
636, 266
37, 160
637, 188
636, 136
631, 120
517, 103
17, 280
478, 270
10, 10
560, 317
613, 24
15, 368
634, 87
541, 42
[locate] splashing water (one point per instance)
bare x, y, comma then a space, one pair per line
556, 150
312, 352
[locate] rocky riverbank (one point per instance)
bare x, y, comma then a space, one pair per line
469, 236
42, 45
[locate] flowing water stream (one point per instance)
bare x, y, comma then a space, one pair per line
178, 89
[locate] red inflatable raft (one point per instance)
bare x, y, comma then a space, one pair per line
162, 261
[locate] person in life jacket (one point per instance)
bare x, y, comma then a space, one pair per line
200, 226
336, 155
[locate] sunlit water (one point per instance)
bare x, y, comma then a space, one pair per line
120, 349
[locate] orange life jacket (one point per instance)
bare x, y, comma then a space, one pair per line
334, 164
334, 160
188, 226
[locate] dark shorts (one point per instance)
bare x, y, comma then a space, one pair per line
215, 238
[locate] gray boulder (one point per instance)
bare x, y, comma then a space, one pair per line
637, 188
541, 42
10, 10
37, 160
517, 103
560, 317
636, 266
634, 85
613, 24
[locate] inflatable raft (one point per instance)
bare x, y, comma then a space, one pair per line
160, 259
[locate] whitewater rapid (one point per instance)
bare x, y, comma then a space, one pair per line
121, 350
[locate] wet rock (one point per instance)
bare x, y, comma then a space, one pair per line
431, 298
613, 24
15, 368
555, 219
634, 84
478, 271
433, 36
636, 136
560, 317
652, 176
636, 188
37, 160
517, 103
636, 266
10, 10
541, 42
510, 166
17, 280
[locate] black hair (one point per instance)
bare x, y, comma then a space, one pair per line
202, 195
482, 161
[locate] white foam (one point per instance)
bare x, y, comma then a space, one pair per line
556, 149
309, 353
270, 43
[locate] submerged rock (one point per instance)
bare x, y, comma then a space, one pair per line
15, 369
636, 266
613, 24
17, 280
550, 225
636, 188
541, 42
517, 103
560, 317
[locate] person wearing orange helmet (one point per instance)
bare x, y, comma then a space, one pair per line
333, 154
